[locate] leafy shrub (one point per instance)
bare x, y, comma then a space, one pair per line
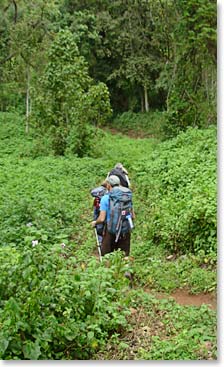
153, 269
187, 332
49, 193
184, 114
56, 300
147, 124
52, 307
178, 188
66, 103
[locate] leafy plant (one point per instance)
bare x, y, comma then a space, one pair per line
57, 301
67, 104
56, 308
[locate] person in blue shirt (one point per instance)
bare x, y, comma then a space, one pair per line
108, 241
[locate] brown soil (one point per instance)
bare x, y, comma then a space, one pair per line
182, 297
143, 327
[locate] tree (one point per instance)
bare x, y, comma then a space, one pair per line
67, 103
29, 25
189, 76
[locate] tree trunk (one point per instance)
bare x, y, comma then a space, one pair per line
27, 98
172, 79
146, 99
142, 103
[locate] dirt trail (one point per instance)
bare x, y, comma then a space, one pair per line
182, 297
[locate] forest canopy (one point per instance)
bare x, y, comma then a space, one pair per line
115, 57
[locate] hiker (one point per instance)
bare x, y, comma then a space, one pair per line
98, 193
113, 240
122, 173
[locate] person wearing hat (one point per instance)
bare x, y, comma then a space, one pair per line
122, 173
108, 241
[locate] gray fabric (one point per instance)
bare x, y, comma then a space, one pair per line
121, 167
113, 180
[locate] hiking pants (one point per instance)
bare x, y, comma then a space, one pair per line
109, 244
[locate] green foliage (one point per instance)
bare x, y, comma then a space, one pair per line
96, 105
195, 272
146, 124
57, 301
180, 196
39, 192
26, 29
67, 104
163, 330
54, 308
151, 54
186, 337
191, 99
186, 333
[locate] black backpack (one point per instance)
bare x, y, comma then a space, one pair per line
119, 173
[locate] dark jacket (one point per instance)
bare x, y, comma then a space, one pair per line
119, 173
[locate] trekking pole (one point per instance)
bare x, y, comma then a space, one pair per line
98, 245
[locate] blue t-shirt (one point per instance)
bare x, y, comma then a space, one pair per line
104, 205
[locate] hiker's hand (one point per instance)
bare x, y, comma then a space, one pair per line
93, 223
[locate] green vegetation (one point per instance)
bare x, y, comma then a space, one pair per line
57, 300
84, 85
76, 56
163, 330
178, 186
149, 124
72, 101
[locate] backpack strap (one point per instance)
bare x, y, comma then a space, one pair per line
119, 225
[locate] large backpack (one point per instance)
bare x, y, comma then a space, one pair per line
119, 173
98, 193
120, 210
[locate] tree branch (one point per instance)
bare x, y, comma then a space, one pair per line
16, 10
7, 58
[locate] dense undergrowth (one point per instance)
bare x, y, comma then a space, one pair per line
57, 300
150, 124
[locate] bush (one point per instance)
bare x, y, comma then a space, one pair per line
178, 189
52, 307
147, 124
66, 103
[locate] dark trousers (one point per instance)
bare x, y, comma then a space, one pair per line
109, 244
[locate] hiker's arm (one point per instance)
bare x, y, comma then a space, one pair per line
100, 219
133, 213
